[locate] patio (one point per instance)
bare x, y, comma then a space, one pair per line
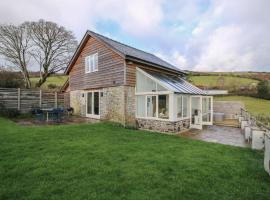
218, 134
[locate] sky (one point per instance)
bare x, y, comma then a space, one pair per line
199, 35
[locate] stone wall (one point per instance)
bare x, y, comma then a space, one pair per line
163, 126
130, 106
229, 108
77, 102
117, 104
112, 104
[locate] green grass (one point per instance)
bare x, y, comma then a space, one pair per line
229, 81
255, 106
105, 161
57, 80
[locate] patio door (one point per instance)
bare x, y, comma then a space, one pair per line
207, 110
196, 112
93, 104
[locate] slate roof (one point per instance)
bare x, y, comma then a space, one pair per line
128, 52
132, 52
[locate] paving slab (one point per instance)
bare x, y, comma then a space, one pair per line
218, 134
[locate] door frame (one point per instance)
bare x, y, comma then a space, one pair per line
211, 111
196, 126
86, 103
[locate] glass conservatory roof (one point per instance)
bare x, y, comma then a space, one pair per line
176, 84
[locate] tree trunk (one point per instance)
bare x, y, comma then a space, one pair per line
26, 77
42, 80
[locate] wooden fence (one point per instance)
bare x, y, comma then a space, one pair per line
25, 99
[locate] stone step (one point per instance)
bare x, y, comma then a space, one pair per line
236, 125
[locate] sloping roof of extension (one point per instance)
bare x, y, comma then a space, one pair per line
127, 52
176, 84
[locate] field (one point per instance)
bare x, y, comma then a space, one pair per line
255, 106
214, 81
56, 80
106, 161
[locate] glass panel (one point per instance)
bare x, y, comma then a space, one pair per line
206, 109
163, 106
140, 106
89, 103
195, 109
91, 63
144, 83
185, 106
96, 103
151, 106
161, 88
179, 106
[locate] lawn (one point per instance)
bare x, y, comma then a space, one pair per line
106, 161
255, 106
56, 80
211, 81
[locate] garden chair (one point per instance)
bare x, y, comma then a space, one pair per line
39, 115
57, 115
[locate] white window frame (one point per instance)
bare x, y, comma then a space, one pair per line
146, 113
182, 106
92, 105
157, 103
91, 63
156, 93
157, 82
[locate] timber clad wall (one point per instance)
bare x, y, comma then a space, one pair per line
26, 99
131, 72
110, 68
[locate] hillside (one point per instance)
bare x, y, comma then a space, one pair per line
214, 81
53, 81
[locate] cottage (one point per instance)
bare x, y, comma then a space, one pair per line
111, 81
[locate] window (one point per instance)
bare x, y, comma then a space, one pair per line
179, 107
146, 84
185, 106
140, 103
92, 103
151, 106
182, 106
163, 106
91, 63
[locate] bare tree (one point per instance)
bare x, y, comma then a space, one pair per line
54, 46
15, 47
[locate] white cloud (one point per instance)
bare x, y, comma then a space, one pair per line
175, 57
232, 36
221, 35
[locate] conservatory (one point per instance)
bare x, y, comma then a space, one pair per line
169, 103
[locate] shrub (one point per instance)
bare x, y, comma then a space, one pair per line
52, 86
9, 79
8, 112
263, 89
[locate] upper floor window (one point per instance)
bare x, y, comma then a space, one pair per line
91, 63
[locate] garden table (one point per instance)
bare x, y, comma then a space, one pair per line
47, 111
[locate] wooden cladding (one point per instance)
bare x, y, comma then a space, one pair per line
113, 69
131, 72
110, 68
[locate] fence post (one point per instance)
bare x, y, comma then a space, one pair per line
19, 98
55, 99
40, 98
